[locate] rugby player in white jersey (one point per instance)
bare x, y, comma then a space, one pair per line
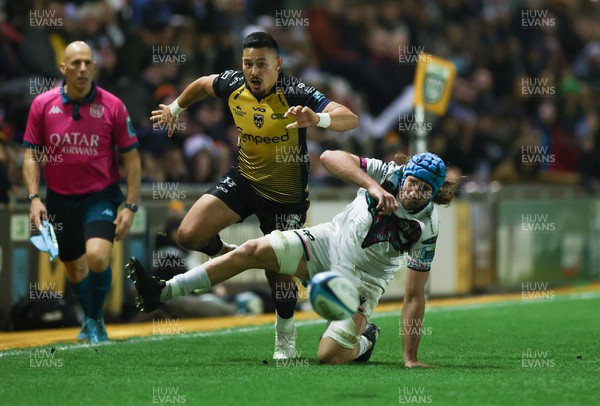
392, 218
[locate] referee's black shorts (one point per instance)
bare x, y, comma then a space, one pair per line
237, 193
77, 218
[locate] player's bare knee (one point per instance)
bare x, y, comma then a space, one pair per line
247, 250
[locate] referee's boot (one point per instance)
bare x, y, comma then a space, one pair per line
371, 332
147, 286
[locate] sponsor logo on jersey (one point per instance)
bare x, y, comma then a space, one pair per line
76, 143
55, 110
238, 111
245, 137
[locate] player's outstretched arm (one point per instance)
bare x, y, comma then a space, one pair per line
413, 310
334, 116
347, 167
193, 93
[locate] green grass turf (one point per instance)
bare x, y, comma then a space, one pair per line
480, 353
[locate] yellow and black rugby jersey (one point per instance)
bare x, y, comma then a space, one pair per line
273, 158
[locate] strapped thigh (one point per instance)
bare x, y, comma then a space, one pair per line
288, 249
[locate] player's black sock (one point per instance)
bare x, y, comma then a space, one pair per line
285, 297
214, 246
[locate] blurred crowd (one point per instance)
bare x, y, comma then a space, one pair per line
525, 104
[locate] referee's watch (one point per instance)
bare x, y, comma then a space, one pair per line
33, 196
132, 206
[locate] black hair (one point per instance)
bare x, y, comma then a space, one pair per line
260, 40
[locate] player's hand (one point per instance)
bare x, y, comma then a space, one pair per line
416, 364
37, 212
386, 202
123, 222
303, 115
163, 116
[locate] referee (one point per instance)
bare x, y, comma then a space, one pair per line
72, 133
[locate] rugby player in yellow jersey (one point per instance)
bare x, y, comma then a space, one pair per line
270, 179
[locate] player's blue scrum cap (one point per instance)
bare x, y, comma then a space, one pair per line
427, 167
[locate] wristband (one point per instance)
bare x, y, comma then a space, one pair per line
324, 120
175, 108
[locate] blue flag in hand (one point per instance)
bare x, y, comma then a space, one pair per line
46, 241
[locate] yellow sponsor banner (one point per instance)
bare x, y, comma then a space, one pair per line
433, 83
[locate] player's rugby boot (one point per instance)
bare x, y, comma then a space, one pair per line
285, 345
147, 286
371, 332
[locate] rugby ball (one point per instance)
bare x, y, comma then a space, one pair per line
332, 296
